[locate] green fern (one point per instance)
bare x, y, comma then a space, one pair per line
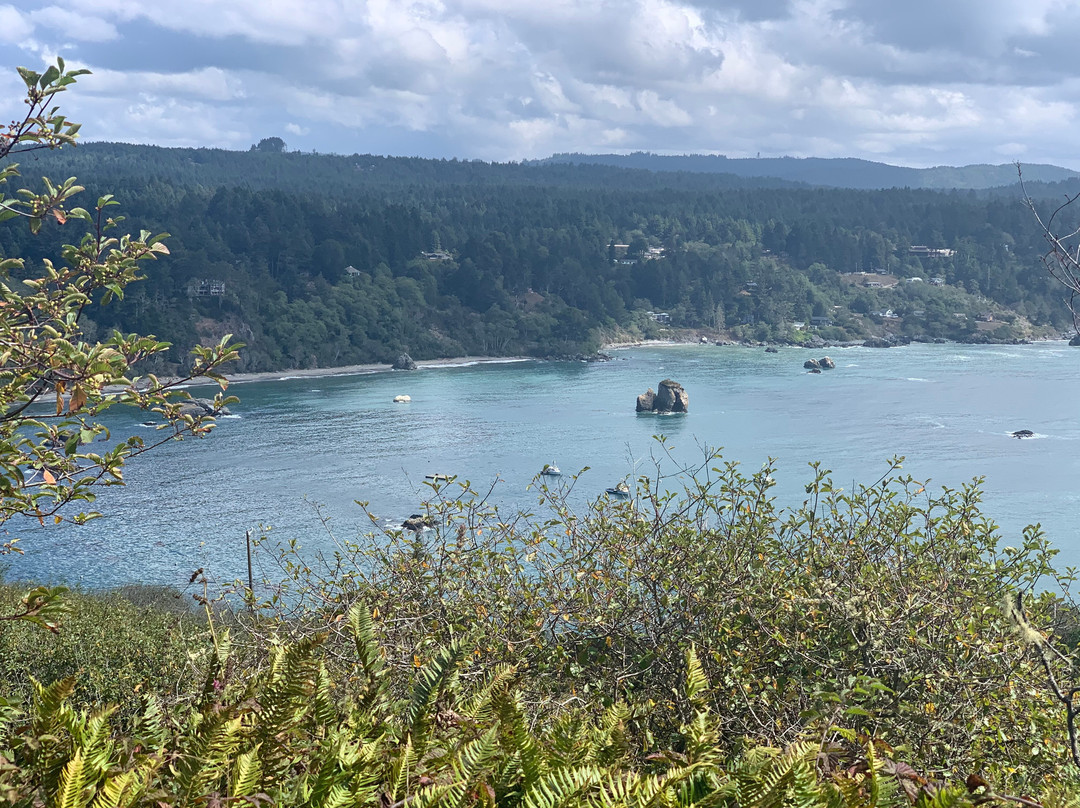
368, 652
246, 775
430, 683
697, 684
770, 785
518, 740
562, 787
71, 792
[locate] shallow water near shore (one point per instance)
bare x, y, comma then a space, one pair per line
297, 443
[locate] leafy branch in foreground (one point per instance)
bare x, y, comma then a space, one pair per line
54, 384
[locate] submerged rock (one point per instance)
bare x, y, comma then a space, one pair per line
1023, 433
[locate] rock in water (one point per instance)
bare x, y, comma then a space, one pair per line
669, 397
202, 406
645, 401
811, 364
404, 362
1023, 433
826, 363
1075, 341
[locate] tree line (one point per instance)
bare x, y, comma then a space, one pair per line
321, 260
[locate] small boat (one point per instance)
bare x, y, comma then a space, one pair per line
437, 478
551, 470
622, 490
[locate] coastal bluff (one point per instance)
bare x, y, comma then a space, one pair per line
668, 397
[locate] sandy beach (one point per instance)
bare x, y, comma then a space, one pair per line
357, 370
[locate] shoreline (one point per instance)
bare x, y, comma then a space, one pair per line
356, 370
470, 361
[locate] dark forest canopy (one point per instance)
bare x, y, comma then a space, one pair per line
321, 260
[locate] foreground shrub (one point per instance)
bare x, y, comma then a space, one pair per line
287, 737
877, 608
117, 650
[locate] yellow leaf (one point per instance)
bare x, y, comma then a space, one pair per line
78, 398
47, 475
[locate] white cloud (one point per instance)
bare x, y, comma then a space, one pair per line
500, 79
75, 26
15, 26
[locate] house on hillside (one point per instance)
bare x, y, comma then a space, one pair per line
206, 288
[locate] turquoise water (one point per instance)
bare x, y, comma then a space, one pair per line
300, 448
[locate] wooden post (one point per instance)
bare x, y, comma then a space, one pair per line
251, 579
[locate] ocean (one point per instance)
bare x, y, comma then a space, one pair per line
298, 453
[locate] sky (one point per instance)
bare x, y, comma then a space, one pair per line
917, 82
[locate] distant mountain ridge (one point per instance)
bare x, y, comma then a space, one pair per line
843, 172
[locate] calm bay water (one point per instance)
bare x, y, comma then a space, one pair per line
298, 443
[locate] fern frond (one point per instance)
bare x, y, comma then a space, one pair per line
955, 798
323, 707
769, 786
480, 705
518, 739
697, 684
95, 744
401, 770
71, 792
285, 698
562, 786
113, 790
247, 774
430, 682
49, 701
368, 653
149, 731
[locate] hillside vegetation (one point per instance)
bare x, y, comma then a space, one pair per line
316, 260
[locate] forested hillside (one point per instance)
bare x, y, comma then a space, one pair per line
835, 172
315, 260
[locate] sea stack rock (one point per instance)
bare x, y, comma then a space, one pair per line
404, 362
826, 363
669, 397
200, 407
1075, 341
811, 364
